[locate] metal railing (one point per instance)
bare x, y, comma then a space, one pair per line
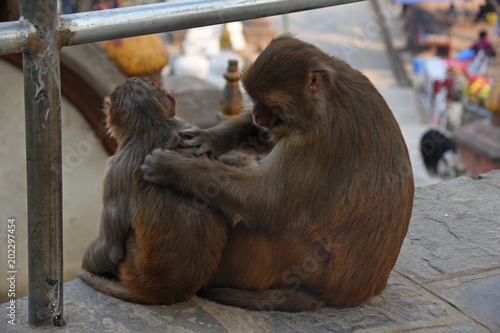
39, 34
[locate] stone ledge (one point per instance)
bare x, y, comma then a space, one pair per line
480, 136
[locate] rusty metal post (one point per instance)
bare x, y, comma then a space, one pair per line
42, 89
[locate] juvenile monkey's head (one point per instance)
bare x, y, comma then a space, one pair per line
286, 83
136, 106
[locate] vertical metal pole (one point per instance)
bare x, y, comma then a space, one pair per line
42, 88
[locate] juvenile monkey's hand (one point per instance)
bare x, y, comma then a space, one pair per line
161, 166
202, 140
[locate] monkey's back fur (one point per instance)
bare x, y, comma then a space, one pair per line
164, 245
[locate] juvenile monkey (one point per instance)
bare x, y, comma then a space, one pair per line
161, 246
325, 213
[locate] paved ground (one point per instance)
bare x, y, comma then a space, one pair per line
447, 278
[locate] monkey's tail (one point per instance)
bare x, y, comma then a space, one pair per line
107, 286
266, 299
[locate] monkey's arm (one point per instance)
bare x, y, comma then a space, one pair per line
102, 257
107, 250
231, 189
238, 134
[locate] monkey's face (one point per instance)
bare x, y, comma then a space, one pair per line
266, 115
284, 83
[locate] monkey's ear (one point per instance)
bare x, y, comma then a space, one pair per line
111, 116
315, 81
173, 102
109, 110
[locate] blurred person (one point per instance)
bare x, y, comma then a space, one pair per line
489, 6
440, 156
69, 6
484, 44
105, 4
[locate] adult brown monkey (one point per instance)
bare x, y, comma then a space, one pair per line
325, 213
164, 245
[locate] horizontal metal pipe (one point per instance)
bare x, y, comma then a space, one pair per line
108, 24
94, 26
15, 36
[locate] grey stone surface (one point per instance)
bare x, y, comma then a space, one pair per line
482, 296
460, 221
492, 178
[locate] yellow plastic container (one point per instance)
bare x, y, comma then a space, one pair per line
138, 55
491, 18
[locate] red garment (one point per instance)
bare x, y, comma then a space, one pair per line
485, 45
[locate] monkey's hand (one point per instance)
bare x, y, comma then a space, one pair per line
240, 134
204, 141
164, 167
